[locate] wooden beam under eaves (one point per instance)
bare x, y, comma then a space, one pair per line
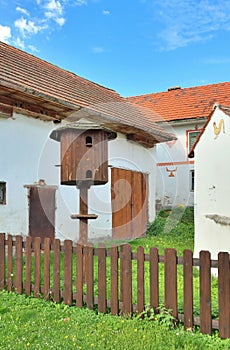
5, 111
142, 139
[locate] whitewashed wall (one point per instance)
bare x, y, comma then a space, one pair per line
28, 154
176, 190
212, 190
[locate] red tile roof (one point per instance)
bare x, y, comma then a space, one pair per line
178, 103
38, 79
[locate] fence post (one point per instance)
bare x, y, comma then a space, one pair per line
188, 289
224, 294
102, 278
2, 261
18, 269
46, 268
171, 281
28, 265
56, 245
126, 273
89, 276
154, 278
10, 262
205, 293
68, 244
37, 267
114, 280
79, 277
140, 279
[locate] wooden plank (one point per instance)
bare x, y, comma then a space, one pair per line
37, 266
171, 281
79, 277
18, 268
2, 261
68, 272
188, 289
102, 304
140, 279
10, 263
127, 279
137, 202
121, 272
205, 293
46, 268
56, 289
28, 253
114, 304
145, 198
89, 277
224, 295
154, 278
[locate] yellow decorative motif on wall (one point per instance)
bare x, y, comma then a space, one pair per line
217, 129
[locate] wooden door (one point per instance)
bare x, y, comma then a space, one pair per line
42, 212
129, 193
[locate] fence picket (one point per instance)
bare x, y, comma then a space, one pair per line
188, 289
114, 303
79, 277
126, 265
224, 294
205, 293
2, 261
56, 289
140, 279
37, 266
10, 262
46, 268
28, 265
18, 268
68, 272
102, 278
89, 276
171, 281
154, 278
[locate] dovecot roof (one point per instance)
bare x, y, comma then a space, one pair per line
26, 80
178, 103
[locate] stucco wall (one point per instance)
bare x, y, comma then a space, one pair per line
28, 154
212, 191
174, 188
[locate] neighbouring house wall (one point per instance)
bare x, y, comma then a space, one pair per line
212, 191
174, 168
28, 154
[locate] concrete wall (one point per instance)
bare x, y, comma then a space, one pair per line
212, 191
28, 154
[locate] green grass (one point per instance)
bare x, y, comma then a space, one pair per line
27, 323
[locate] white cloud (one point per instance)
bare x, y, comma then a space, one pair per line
5, 33
98, 49
19, 43
80, 2
189, 21
33, 48
106, 12
23, 11
55, 11
28, 27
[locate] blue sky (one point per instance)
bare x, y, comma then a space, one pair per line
132, 46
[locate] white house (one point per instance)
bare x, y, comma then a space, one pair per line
212, 189
182, 111
37, 97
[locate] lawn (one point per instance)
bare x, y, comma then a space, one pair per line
27, 323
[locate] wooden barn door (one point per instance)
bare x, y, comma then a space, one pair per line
129, 192
42, 212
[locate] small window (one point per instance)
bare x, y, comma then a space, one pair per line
88, 141
192, 180
88, 174
192, 136
2, 192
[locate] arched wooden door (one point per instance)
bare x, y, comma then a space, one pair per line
129, 193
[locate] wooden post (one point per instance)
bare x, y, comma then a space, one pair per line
83, 234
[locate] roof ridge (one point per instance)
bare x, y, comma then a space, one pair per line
56, 66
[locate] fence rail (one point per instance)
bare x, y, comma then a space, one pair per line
105, 277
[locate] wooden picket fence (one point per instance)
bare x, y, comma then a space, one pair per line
25, 267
